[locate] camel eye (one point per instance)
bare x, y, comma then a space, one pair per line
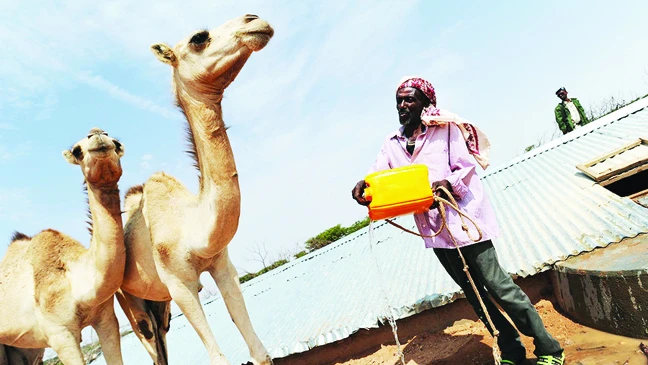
200, 38
76, 152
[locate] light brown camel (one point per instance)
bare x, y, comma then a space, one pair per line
172, 235
51, 287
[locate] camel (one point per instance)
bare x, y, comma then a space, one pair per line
51, 286
172, 235
16, 356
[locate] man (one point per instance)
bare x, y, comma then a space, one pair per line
569, 112
446, 149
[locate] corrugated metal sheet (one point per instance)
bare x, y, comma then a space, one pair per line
547, 210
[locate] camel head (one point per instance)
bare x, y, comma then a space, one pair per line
207, 61
98, 155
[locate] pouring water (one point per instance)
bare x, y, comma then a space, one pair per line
390, 311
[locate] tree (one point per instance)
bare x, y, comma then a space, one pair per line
333, 234
607, 106
259, 254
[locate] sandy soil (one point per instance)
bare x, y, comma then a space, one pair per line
467, 342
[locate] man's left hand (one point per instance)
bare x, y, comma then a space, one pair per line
440, 193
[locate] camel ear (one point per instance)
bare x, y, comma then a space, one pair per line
164, 53
70, 157
119, 148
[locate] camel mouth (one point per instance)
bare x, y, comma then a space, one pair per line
268, 32
261, 30
103, 149
257, 39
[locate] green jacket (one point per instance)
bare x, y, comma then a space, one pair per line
564, 118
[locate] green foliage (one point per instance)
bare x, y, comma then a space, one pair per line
333, 234
274, 265
315, 243
358, 225
330, 235
247, 277
607, 106
90, 353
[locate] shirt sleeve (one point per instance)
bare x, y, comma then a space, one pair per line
462, 167
558, 112
382, 160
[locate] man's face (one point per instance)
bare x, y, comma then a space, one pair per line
562, 94
410, 103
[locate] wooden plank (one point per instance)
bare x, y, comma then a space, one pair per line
623, 175
636, 195
601, 176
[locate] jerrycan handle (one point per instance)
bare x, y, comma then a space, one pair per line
368, 193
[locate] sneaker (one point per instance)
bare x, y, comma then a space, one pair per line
513, 362
551, 359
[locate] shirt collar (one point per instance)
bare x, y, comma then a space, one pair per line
399, 132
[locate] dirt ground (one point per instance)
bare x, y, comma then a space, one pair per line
467, 342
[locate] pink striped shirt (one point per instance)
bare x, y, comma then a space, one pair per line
443, 150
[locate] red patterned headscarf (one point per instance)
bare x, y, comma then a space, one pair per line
420, 84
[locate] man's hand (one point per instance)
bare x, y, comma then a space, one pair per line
358, 192
440, 193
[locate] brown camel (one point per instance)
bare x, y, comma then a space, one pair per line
172, 235
51, 286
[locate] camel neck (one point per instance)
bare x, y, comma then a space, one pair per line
212, 149
107, 244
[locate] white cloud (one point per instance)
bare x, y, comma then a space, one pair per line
99, 83
145, 161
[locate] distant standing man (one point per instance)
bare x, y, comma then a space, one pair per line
569, 112
447, 144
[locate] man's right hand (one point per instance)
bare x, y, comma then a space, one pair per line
358, 192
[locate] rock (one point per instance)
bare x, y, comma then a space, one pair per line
568, 342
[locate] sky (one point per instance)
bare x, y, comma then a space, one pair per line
307, 114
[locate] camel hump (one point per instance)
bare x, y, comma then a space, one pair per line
18, 236
161, 184
132, 200
134, 190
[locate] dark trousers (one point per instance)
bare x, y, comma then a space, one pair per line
490, 278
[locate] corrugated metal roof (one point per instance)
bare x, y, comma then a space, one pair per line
547, 211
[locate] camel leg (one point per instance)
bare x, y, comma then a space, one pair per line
160, 313
4, 360
21, 356
66, 346
226, 277
144, 325
107, 329
186, 297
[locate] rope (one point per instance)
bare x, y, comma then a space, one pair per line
452, 203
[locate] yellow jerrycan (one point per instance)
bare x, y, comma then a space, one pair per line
398, 191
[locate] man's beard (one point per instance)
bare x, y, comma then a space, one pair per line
410, 121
